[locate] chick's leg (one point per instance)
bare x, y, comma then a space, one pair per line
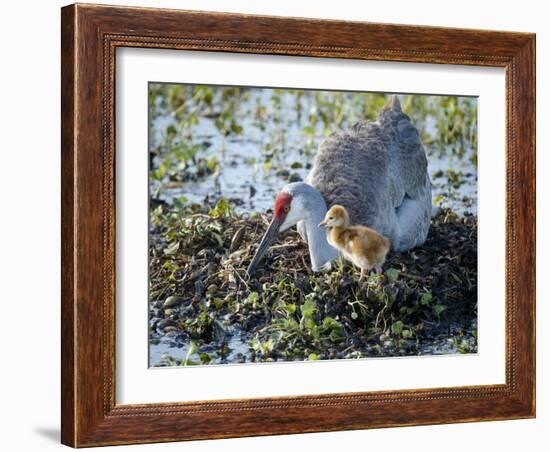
364, 271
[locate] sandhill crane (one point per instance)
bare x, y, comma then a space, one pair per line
377, 170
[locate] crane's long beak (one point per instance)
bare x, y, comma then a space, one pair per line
268, 238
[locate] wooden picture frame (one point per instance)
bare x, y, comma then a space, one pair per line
90, 36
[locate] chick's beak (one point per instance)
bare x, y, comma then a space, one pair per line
268, 238
323, 224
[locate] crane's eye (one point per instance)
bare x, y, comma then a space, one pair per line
287, 209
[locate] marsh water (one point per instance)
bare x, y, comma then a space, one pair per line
245, 144
277, 144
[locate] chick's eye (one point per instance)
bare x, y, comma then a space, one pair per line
331, 218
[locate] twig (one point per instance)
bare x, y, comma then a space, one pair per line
284, 245
413, 277
305, 265
230, 266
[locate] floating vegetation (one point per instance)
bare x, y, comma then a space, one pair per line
203, 304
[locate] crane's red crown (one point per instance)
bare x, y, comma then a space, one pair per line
282, 204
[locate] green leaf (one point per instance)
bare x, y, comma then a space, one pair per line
426, 299
392, 274
205, 358
397, 327
193, 348
290, 324
252, 298
313, 357
290, 308
218, 303
308, 308
212, 163
236, 129
172, 248
179, 202
334, 326
221, 210
438, 309
308, 130
310, 324
159, 173
329, 322
335, 336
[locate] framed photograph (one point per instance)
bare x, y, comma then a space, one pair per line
282, 225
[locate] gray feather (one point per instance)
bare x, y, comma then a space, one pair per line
378, 171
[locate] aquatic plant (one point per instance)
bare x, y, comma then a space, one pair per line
199, 292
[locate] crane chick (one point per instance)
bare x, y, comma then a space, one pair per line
363, 246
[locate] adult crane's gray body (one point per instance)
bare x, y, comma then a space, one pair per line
377, 170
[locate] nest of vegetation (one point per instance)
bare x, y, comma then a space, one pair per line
201, 299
